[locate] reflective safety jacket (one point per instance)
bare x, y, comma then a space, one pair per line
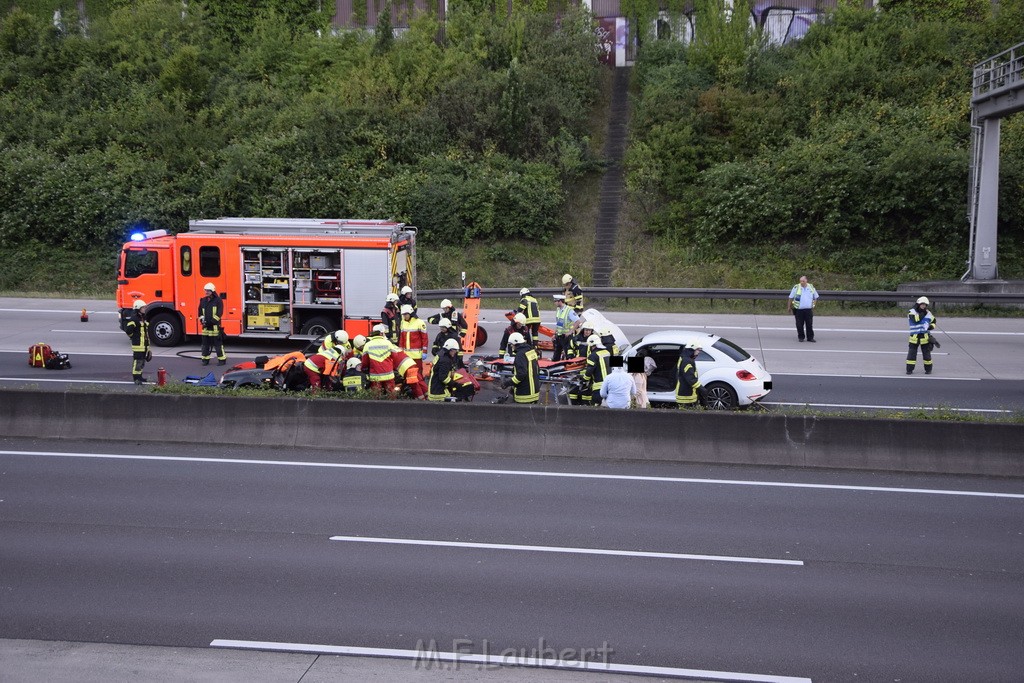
573, 296
597, 368
137, 330
687, 382
413, 337
389, 316
441, 378
920, 325
525, 376
564, 318
377, 359
444, 335
406, 300
354, 380
457, 320
529, 307
326, 363
210, 310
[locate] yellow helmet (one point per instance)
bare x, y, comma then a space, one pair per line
566, 279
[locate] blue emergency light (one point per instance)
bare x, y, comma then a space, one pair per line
149, 234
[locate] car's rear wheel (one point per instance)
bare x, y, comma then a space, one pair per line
721, 396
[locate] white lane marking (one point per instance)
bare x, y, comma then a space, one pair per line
871, 407
518, 473
858, 352
899, 376
54, 310
566, 550
90, 331
79, 381
663, 326
504, 658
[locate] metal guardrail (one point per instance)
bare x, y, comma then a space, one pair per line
750, 294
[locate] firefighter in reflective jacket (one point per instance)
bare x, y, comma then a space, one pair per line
530, 308
337, 341
442, 375
465, 385
389, 317
688, 388
137, 330
922, 322
595, 371
525, 370
518, 326
578, 342
211, 308
376, 361
358, 342
449, 313
408, 373
321, 368
447, 333
412, 337
405, 298
353, 380
573, 293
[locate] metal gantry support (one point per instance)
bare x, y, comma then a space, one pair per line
997, 92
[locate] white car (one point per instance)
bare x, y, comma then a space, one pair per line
732, 377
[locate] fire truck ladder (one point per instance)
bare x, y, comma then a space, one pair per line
996, 93
298, 226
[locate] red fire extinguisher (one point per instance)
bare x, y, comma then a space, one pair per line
161, 377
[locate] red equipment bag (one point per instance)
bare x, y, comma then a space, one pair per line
39, 354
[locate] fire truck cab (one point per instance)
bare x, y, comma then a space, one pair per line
279, 278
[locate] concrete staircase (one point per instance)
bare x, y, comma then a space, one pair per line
612, 183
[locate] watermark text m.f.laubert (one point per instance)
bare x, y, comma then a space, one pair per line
466, 652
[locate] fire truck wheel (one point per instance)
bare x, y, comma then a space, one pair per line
320, 326
165, 329
481, 336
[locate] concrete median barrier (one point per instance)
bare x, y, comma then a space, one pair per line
544, 431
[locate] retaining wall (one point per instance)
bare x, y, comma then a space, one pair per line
546, 431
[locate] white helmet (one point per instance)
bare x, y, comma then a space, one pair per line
519, 318
406, 309
407, 290
139, 303
514, 338
594, 340
380, 328
452, 345
391, 298
524, 291
210, 287
359, 341
566, 279
444, 322
446, 303
924, 300
353, 363
341, 337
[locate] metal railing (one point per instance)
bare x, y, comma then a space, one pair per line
628, 293
999, 73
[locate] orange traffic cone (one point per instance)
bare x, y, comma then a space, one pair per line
85, 316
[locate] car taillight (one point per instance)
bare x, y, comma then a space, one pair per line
745, 376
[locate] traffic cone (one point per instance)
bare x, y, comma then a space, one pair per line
85, 316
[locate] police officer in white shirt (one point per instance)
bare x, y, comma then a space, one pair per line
801, 302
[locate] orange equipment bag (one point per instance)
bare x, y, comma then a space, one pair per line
39, 354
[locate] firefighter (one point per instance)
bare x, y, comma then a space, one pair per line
608, 339
449, 313
465, 385
922, 322
338, 341
442, 375
358, 342
137, 330
389, 316
573, 293
211, 308
321, 368
525, 370
578, 342
529, 307
377, 363
689, 391
353, 380
518, 325
447, 332
405, 298
565, 325
408, 372
413, 338
595, 371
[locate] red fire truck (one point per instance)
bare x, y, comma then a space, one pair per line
279, 278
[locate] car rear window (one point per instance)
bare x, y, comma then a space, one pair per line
731, 350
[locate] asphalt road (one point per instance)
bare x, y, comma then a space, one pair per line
808, 574
858, 362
